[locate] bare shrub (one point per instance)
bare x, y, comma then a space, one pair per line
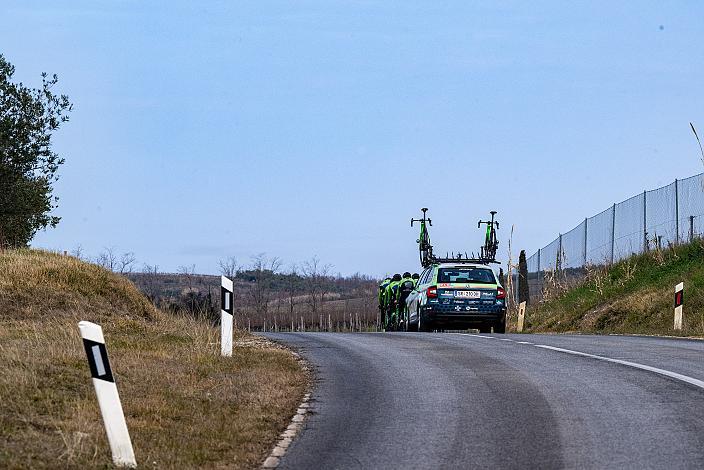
597, 276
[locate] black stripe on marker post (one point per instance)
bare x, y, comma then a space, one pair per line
98, 360
226, 300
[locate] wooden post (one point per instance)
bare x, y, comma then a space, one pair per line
521, 316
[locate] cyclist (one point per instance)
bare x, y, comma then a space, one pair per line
405, 287
415, 278
390, 303
382, 299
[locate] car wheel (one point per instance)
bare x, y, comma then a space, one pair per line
423, 326
485, 328
500, 326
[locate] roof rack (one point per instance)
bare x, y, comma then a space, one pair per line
462, 260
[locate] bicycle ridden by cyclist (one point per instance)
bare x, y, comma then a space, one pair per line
390, 297
405, 287
382, 300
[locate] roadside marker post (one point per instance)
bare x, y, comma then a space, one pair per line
679, 300
521, 316
226, 311
108, 398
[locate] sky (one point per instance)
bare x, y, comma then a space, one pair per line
203, 130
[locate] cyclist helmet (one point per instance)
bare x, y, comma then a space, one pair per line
406, 274
416, 276
397, 277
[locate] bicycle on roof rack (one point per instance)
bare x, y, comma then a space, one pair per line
491, 244
487, 252
424, 247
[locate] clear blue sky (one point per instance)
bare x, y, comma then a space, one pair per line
208, 129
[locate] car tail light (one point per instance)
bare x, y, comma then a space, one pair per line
432, 292
501, 293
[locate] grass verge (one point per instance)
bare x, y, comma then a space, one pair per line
633, 296
186, 407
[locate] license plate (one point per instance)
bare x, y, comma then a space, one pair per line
468, 294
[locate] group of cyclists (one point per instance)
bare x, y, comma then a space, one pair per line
393, 292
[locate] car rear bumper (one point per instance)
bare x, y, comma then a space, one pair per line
442, 316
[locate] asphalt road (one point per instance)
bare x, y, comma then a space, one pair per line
444, 400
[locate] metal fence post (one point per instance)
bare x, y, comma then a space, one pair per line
613, 231
645, 223
677, 213
558, 260
540, 277
586, 232
691, 228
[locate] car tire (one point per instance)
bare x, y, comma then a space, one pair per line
407, 323
423, 326
411, 326
500, 326
485, 328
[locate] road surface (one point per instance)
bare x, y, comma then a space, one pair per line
444, 400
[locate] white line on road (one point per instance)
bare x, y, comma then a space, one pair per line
523, 342
667, 373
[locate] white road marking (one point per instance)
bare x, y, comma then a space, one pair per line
523, 342
666, 373
505, 339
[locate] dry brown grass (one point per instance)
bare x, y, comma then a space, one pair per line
186, 407
35, 283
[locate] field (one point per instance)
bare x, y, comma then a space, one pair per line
186, 407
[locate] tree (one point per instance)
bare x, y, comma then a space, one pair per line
262, 272
151, 282
28, 165
107, 259
523, 290
316, 277
229, 267
292, 288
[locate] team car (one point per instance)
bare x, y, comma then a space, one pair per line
457, 296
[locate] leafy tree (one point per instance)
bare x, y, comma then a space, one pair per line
28, 165
523, 290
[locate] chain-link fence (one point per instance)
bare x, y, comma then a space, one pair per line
668, 215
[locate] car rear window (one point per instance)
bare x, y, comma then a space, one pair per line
466, 275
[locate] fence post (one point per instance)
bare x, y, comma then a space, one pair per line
613, 231
645, 222
586, 232
558, 261
540, 278
691, 228
677, 213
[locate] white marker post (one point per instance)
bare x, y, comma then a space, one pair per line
679, 300
108, 399
521, 316
226, 290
